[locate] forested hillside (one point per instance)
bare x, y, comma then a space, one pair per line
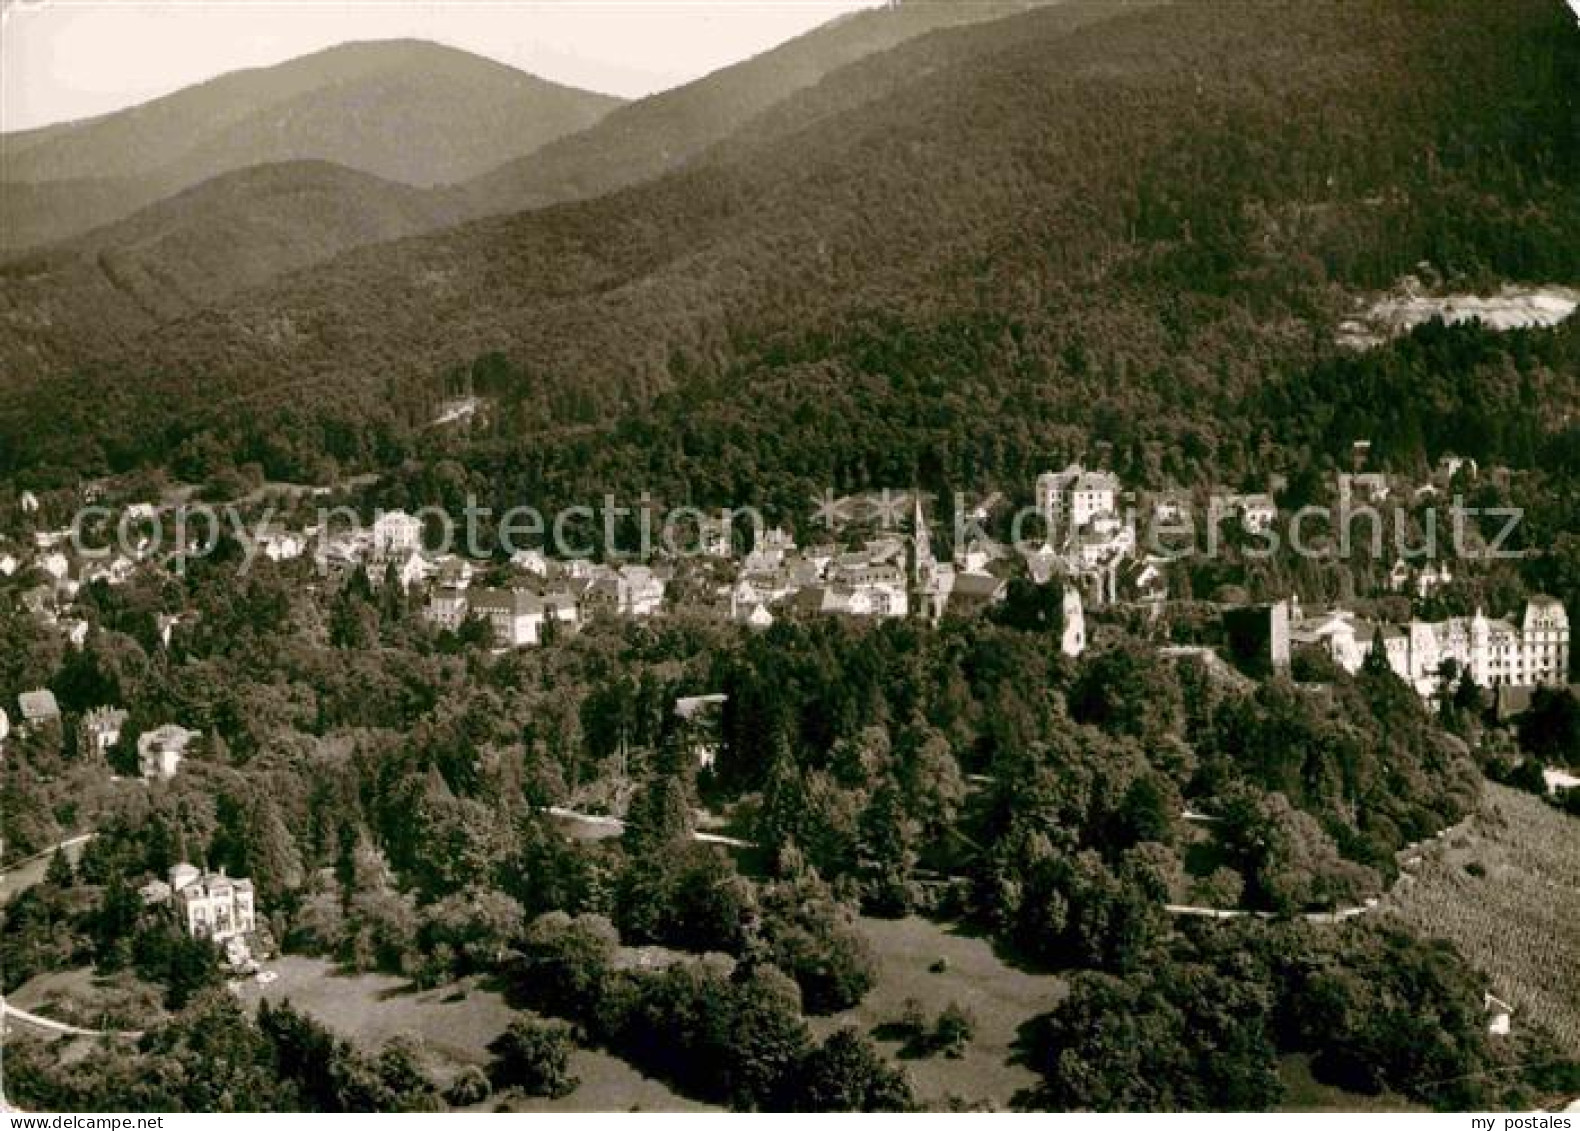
660, 134
1055, 229
280, 219
196, 248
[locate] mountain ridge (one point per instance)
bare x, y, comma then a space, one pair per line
655, 135
786, 71
410, 111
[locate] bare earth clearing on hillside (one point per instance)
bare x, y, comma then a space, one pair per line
1509, 308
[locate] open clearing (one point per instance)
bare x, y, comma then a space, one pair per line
455, 1024
1506, 891
1409, 305
1000, 997
1304, 1093
90, 1001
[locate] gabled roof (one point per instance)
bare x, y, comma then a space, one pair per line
109, 718
977, 586
38, 705
687, 706
515, 602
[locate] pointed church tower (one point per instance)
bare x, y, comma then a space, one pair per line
928, 595
1072, 634
923, 564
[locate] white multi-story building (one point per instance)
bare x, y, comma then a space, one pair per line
212, 905
396, 534
516, 615
159, 751
1496, 652
1544, 636
1069, 500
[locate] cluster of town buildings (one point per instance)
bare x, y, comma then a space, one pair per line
876, 561
886, 574
159, 751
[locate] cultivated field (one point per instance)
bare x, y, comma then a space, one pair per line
1507, 892
1000, 997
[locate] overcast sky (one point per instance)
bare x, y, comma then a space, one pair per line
66, 59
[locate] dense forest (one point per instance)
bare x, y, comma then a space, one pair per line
951, 262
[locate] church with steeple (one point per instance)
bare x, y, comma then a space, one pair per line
931, 580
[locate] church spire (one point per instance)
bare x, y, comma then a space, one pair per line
922, 563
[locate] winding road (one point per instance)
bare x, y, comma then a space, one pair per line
616, 823
22, 874
10, 1012
1409, 856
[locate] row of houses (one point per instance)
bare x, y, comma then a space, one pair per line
549, 594
890, 575
1090, 539
159, 750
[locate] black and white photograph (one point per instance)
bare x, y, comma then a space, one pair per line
790, 556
